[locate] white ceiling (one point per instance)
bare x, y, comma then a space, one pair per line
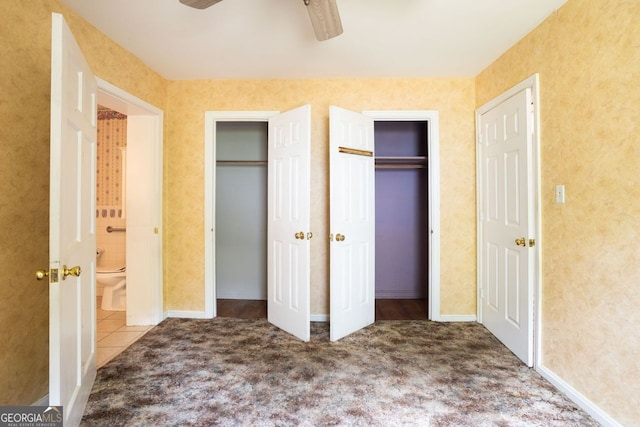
244, 39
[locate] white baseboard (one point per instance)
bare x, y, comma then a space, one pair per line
141, 321
578, 398
457, 318
43, 401
445, 318
185, 314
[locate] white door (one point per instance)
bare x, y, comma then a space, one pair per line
72, 240
288, 223
507, 223
352, 222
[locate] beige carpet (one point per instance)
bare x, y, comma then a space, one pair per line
232, 372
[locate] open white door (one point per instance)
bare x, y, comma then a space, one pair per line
288, 224
507, 222
352, 222
72, 239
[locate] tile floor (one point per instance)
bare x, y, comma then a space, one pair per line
113, 334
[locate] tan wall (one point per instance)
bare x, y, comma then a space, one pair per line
589, 61
25, 43
184, 195
588, 57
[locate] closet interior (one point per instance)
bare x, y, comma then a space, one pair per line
402, 204
241, 210
401, 193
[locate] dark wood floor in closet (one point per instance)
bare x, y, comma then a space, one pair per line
386, 309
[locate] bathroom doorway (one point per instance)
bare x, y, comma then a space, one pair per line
138, 221
110, 210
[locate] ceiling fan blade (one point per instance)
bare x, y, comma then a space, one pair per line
200, 4
324, 18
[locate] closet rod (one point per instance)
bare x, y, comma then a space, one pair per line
242, 162
411, 159
400, 166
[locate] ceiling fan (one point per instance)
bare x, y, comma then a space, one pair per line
323, 13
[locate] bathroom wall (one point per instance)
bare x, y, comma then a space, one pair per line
110, 191
588, 58
25, 76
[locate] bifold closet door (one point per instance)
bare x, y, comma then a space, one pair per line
241, 210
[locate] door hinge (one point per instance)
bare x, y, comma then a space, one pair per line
532, 117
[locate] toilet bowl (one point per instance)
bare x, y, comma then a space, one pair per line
114, 281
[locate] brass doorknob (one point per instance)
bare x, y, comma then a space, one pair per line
73, 271
41, 274
340, 237
300, 235
521, 242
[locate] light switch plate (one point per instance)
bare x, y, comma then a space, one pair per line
560, 194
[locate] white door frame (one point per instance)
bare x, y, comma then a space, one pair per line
533, 84
144, 220
433, 164
210, 120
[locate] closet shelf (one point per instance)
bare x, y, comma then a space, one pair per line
401, 166
242, 162
401, 162
401, 159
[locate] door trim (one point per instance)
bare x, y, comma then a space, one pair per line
532, 83
147, 121
210, 120
433, 164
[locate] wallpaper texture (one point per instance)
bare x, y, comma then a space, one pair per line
588, 57
112, 138
184, 193
25, 43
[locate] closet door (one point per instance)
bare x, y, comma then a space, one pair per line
288, 227
352, 217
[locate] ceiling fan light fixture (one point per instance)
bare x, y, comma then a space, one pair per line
324, 18
199, 4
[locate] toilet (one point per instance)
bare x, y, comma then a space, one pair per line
114, 280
